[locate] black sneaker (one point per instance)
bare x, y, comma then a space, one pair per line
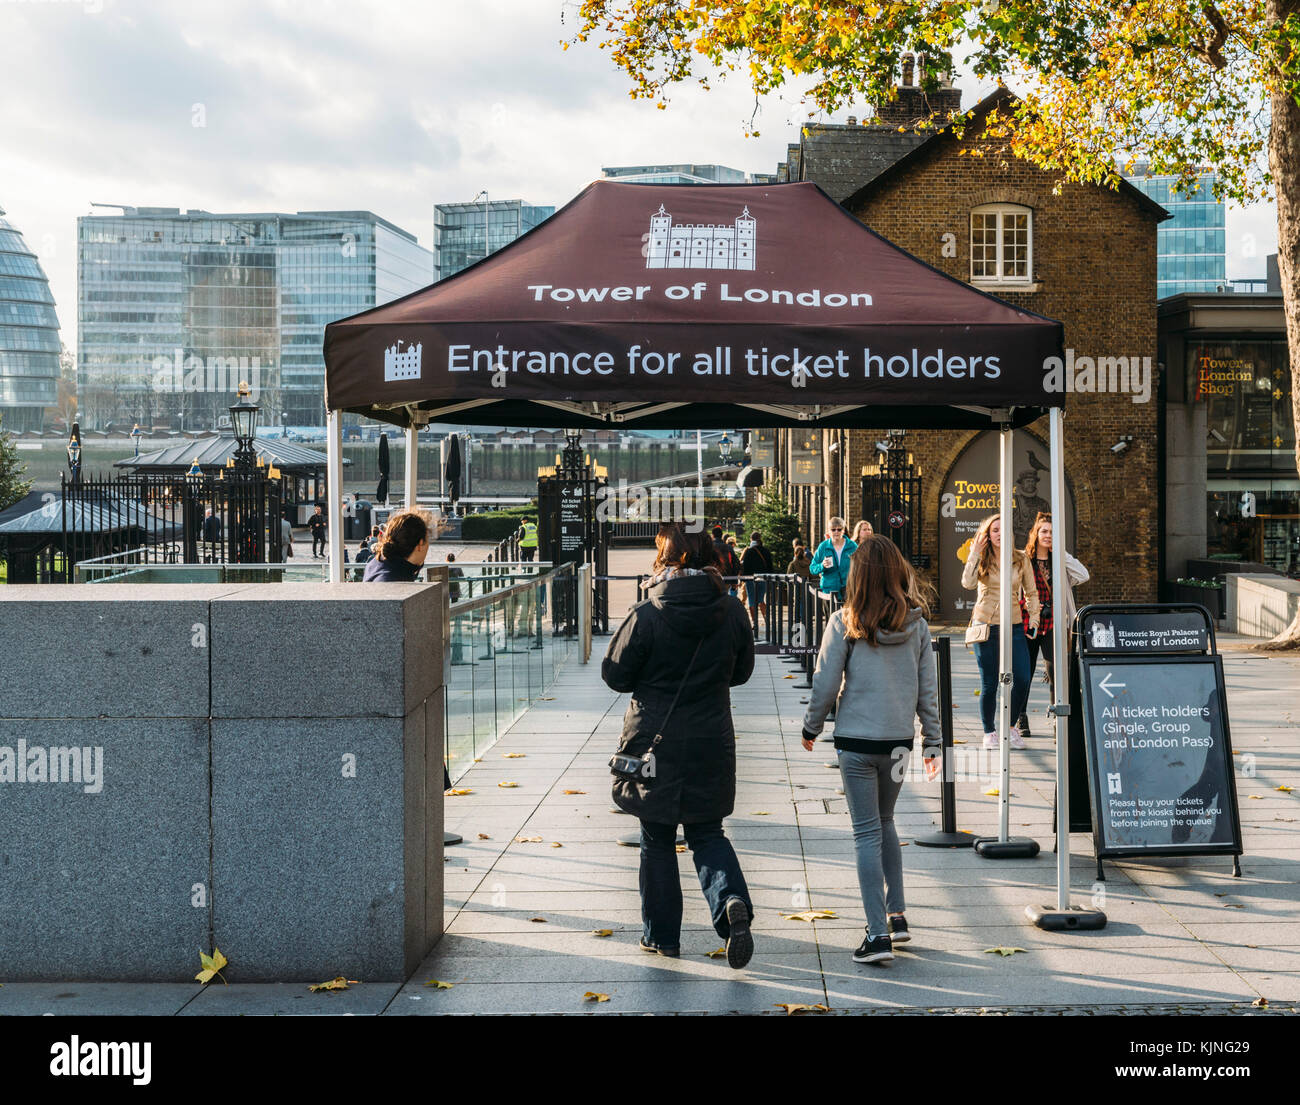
874, 949
740, 944
655, 949
1023, 726
898, 933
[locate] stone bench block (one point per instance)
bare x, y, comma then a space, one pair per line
320, 846
94, 650
326, 650
102, 885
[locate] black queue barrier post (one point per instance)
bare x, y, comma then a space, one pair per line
948, 836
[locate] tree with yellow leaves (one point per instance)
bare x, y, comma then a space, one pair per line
1187, 85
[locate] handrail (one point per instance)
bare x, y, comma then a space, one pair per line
466, 605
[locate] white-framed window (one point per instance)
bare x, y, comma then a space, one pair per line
1001, 244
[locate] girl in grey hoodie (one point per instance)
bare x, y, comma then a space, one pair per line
876, 667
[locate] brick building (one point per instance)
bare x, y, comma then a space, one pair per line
1086, 257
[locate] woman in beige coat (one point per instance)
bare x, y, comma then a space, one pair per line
982, 576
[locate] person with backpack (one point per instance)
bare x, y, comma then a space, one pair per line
679, 652
876, 668
757, 561
728, 561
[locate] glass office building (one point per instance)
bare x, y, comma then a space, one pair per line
29, 336
684, 174
176, 309
1190, 247
460, 230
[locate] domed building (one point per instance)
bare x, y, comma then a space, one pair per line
29, 336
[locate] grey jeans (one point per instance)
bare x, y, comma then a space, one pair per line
871, 785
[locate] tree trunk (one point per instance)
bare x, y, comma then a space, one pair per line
1284, 163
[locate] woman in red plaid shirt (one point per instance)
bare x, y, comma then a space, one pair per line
1039, 550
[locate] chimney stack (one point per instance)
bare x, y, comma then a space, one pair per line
908, 64
853, 120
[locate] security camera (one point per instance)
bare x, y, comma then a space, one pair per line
882, 447
1218, 437
1121, 445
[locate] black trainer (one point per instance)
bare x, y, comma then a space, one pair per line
874, 949
1023, 726
898, 933
740, 943
655, 949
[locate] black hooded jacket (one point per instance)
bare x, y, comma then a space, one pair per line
695, 763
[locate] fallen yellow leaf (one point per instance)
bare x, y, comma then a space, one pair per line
513, 755
810, 915
1285, 789
993, 792
212, 965
1004, 952
789, 676
438, 984
717, 953
793, 1009
546, 699
339, 983
538, 920
575, 792
557, 844
602, 932
484, 836
1257, 797
955, 741
528, 840
593, 996
507, 785
760, 813
460, 790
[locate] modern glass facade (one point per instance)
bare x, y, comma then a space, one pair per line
175, 309
1253, 507
1190, 247
29, 336
678, 174
460, 229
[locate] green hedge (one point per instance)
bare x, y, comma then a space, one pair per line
495, 525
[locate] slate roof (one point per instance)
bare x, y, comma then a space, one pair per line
88, 517
841, 158
215, 452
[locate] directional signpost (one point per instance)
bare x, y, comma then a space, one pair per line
1156, 733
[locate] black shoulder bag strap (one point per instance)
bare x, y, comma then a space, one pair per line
672, 705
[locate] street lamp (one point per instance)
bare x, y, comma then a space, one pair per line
74, 453
724, 447
486, 205
243, 421
136, 435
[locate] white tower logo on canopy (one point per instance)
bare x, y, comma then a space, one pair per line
399, 365
700, 245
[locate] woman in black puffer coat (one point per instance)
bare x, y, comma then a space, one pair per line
687, 614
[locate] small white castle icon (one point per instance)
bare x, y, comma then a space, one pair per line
1103, 635
700, 245
400, 365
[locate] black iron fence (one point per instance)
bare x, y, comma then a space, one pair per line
232, 519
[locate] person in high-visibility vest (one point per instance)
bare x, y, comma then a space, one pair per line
528, 539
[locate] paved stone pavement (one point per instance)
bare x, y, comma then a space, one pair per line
1184, 935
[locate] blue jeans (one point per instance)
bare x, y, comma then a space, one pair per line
986, 656
661, 887
871, 785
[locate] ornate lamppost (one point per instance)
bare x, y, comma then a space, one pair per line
243, 422
74, 454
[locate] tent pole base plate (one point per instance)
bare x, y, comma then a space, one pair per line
452, 838
1015, 847
1063, 920
946, 840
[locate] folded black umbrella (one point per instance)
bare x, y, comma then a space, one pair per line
453, 468
381, 492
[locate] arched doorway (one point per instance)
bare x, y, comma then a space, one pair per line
970, 494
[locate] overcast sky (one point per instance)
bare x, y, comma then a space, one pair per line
288, 105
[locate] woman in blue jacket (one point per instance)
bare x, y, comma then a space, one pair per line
831, 559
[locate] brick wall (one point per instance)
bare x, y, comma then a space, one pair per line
1094, 268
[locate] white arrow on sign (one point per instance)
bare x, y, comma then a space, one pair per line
1109, 687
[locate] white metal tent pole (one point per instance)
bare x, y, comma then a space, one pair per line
334, 492
1060, 659
1005, 682
442, 476
699, 465
412, 462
